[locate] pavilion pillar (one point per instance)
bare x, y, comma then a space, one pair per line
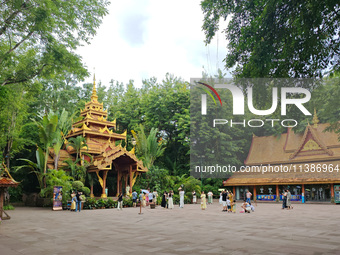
332, 191
118, 182
104, 185
303, 193
126, 180
91, 194
254, 193
234, 192
130, 178
277, 193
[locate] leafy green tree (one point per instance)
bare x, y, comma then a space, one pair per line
15, 102
77, 143
148, 148
37, 168
57, 178
47, 132
277, 38
78, 167
165, 106
38, 38
64, 124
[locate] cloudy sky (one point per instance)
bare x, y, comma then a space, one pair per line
142, 39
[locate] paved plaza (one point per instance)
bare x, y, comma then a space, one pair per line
307, 229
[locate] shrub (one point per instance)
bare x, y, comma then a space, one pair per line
90, 203
86, 190
8, 207
110, 203
101, 203
77, 185
127, 202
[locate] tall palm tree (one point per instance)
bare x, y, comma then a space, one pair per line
77, 143
37, 168
148, 148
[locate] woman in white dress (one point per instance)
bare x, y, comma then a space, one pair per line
181, 198
194, 198
170, 200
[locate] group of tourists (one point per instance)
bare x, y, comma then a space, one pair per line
76, 201
145, 197
168, 201
227, 201
286, 199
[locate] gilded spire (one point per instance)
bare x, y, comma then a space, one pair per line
315, 119
94, 96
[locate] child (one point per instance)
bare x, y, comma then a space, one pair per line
234, 206
144, 200
228, 205
252, 208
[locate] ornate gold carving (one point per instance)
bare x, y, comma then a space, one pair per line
132, 151
100, 179
84, 127
102, 130
88, 116
311, 145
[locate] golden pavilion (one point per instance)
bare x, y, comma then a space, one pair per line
102, 140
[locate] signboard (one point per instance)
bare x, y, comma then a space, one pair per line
266, 197
57, 198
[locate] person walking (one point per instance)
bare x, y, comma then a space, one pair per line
134, 198
289, 200
194, 198
210, 197
248, 195
155, 196
284, 199
78, 202
120, 201
140, 197
150, 195
170, 200
73, 202
181, 198
164, 197
203, 201
224, 200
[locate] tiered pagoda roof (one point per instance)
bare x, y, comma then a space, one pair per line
100, 138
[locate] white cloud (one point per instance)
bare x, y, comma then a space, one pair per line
143, 39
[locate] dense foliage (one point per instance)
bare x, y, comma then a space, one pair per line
277, 38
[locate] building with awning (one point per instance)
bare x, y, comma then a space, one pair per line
308, 164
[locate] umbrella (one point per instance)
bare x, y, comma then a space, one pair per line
145, 191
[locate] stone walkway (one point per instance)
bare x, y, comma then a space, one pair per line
307, 229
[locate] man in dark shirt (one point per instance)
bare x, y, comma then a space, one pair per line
224, 200
120, 202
